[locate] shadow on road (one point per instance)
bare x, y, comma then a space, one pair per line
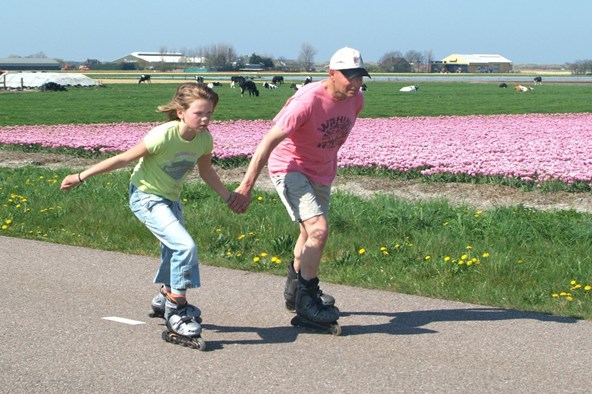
411, 323
400, 323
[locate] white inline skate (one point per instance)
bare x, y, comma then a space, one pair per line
182, 329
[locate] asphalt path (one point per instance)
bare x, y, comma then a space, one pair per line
62, 331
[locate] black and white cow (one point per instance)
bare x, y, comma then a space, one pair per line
503, 85
411, 88
199, 79
237, 80
538, 80
251, 87
144, 78
268, 85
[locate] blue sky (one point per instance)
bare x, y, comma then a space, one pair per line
524, 31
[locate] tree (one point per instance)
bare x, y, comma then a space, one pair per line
415, 58
219, 56
266, 62
306, 57
394, 62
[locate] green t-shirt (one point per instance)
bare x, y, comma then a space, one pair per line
171, 159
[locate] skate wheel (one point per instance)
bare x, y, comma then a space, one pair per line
198, 343
335, 329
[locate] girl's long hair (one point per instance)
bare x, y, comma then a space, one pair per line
185, 95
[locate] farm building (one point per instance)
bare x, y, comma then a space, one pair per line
147, 59
457, 63
28, 64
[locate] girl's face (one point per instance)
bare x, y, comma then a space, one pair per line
197, 116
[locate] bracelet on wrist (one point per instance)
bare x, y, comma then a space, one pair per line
80, 179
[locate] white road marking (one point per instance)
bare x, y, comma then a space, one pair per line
124, 320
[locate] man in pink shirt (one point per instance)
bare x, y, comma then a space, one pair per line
300, 151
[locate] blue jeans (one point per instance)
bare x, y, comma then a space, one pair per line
179, 266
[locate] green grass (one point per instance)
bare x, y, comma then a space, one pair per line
508, 257
138, 102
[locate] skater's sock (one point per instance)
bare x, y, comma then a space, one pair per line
307, 283
178, 293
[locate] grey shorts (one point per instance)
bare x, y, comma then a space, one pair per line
303, 198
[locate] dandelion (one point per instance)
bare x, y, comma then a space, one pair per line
263, 254
427, 257
276, 260
587, 288
520, 261
447, 258
464, 257
573, 282
241, 236
555, 295
469, 247
256, 259
485, 254
260, 198
569, 298
362, 251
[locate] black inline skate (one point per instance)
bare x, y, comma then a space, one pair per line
311, 312
291, 290
181, 328
159, 302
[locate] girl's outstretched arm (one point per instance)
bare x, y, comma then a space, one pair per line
112, 163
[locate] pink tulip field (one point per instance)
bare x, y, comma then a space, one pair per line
531, 148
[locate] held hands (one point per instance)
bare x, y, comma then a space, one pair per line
238, 202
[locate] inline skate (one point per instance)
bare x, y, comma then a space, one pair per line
181, 328
291, 290
311, 312
159, 302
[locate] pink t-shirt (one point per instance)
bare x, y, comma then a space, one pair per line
316, 126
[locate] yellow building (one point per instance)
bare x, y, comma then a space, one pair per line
462, 63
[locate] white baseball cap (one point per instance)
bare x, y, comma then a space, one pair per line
349, 62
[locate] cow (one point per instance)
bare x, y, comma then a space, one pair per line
277, 80
538, 80
364, 87
251, 87
503, 85
234, 80
296, 86
53, 86
199, 79
307, 80
268, 85
144, 78
411, 88
521, 88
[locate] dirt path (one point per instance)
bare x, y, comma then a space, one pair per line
478, 196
